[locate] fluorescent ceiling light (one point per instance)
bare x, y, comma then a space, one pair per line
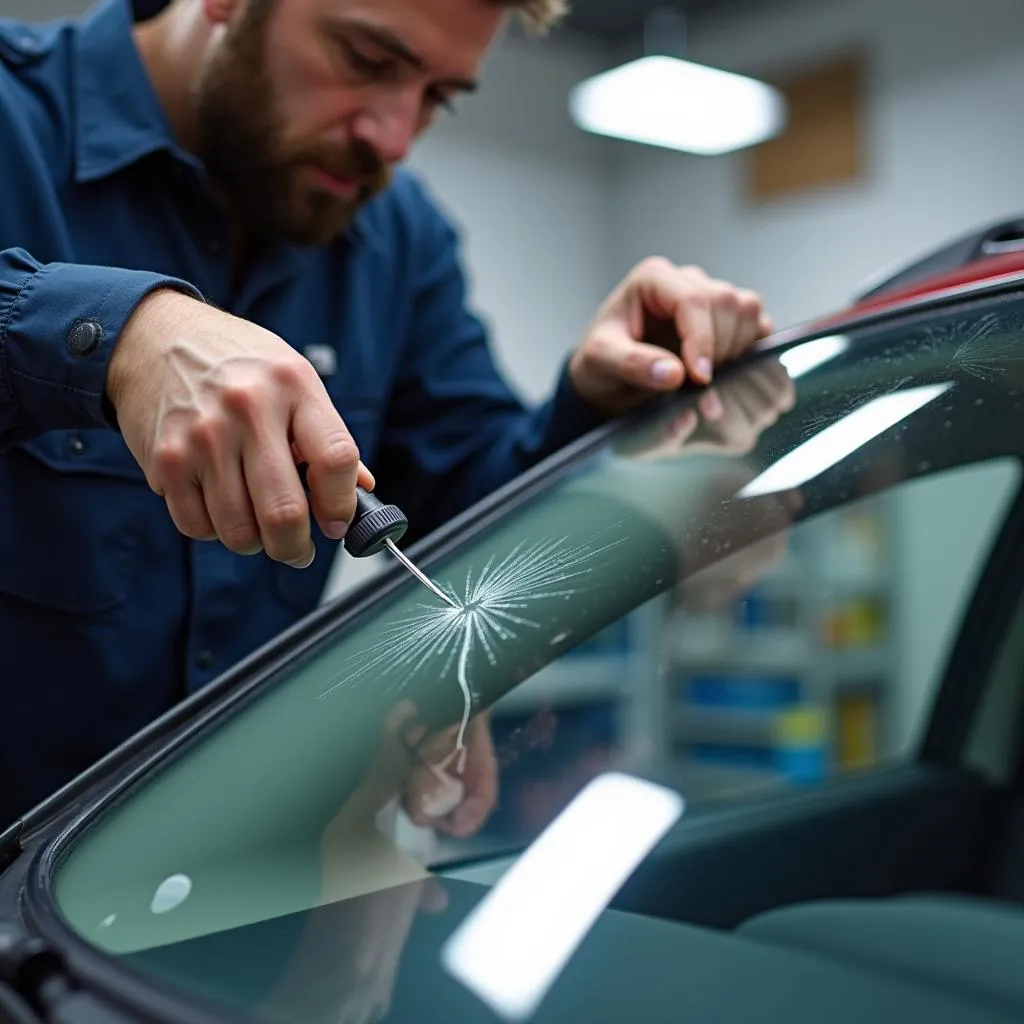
517, 940
803, 358
835, 443
663, 101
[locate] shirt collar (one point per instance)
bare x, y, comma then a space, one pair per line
118, 116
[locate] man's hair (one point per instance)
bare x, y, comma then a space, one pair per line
539, 15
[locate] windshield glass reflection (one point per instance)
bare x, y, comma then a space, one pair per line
280, 861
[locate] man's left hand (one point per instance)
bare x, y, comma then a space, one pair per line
615, 369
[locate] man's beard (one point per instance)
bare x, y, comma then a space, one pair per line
254, 174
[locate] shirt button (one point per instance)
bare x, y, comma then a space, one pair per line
77, 445
204, 660
84, 338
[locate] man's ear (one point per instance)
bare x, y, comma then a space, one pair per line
220, 12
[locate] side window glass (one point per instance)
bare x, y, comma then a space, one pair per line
811, 654
994, 742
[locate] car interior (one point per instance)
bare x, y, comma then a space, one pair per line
190, 876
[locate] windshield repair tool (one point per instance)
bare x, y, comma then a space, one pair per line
377, 526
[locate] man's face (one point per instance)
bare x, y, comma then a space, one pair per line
306, 105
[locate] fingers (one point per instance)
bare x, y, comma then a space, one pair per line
279, 503
217, 507
251, 500
214, 408
725, 319
684, 425
685, 295
230, 508
481, 778
433, 896
438, 797
715, 320
710, 406
433, 793
334, 467
753, 323
615, 354
186, 504
366, 479
782, 385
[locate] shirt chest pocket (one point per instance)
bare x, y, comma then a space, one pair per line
72, 508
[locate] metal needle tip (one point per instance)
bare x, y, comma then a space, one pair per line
421, 576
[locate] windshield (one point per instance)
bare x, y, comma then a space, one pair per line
709, 599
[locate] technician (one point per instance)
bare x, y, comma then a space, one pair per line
210, 269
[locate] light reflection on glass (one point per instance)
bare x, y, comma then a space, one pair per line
171, 893
515, 943
841, 439
802, 359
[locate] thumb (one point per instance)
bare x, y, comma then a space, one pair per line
332, 457
614, 354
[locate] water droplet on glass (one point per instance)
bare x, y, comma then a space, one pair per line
171, 893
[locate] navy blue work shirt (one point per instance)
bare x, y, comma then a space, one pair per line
108, 615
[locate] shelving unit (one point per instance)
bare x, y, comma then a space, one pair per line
787, 684
792, 679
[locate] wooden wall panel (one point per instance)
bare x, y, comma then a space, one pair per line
824, 143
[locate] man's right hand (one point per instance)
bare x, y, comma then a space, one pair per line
218, 412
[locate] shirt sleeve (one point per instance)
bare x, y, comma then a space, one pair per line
59, 323
455, 430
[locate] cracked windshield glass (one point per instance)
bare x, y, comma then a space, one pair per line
708, 601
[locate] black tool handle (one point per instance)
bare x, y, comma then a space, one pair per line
374, 523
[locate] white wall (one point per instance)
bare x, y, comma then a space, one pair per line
42, 10
945, 91
946, 84
533, 196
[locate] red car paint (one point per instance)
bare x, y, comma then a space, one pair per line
989, 268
